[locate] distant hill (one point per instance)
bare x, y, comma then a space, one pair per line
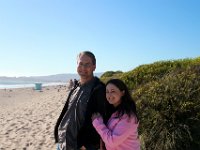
49, 78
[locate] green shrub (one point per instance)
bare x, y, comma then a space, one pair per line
110, 75
152, 72
169, 111
167, 94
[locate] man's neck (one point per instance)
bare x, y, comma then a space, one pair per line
85, 80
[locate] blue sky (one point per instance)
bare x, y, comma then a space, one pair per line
43, 37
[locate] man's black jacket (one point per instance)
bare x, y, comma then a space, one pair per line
86, 134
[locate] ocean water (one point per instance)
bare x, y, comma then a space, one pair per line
10, 85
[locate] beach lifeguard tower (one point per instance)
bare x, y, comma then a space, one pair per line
38, 86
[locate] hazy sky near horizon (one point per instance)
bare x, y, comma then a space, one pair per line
43, 37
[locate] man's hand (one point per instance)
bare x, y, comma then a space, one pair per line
96, 115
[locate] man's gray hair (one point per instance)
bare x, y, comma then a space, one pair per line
89, 54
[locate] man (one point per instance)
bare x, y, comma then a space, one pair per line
74, 128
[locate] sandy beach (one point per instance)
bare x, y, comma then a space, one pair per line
27, 117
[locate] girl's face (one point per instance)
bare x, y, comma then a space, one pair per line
113, 94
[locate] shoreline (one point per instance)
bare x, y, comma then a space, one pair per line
15, 86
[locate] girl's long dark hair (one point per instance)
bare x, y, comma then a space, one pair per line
127, 105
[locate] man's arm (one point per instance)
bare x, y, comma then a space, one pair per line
101, 104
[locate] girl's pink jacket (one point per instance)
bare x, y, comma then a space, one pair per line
119, 134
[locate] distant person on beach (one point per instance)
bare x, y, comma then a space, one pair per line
121, 131
74, 129
71, 83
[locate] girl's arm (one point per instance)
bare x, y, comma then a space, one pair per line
122, 130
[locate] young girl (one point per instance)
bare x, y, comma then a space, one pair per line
121, 132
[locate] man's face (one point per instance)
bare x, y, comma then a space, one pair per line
85, 67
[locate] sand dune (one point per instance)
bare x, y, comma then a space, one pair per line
27, 117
